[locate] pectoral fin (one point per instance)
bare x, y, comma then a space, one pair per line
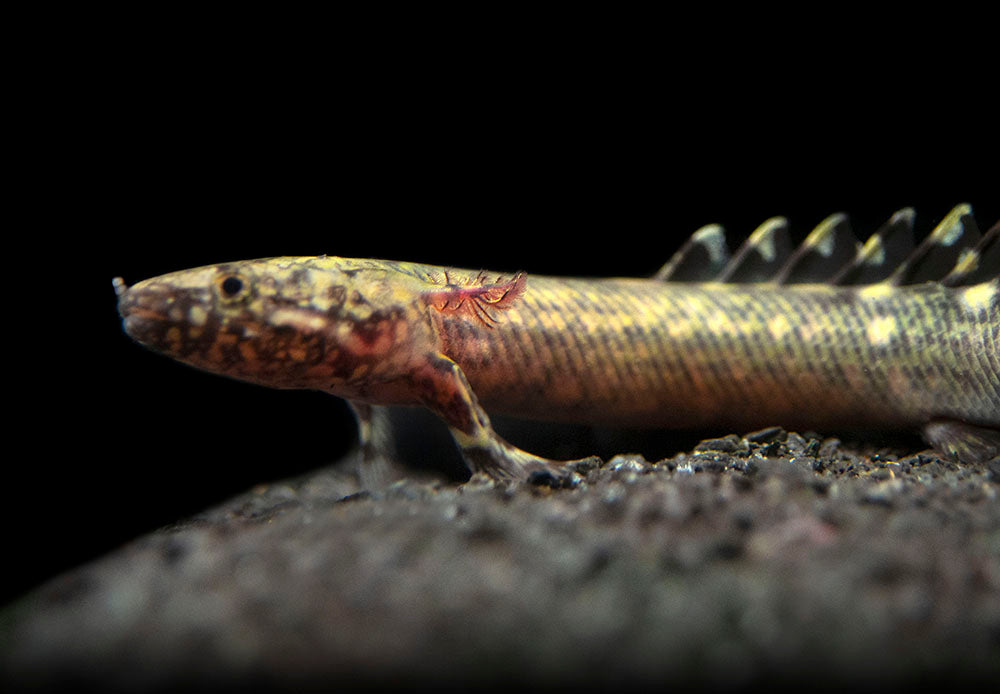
444, 389
966, 443
375, 442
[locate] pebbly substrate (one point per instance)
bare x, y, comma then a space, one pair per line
770, 558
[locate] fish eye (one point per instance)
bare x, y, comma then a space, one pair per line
231, 286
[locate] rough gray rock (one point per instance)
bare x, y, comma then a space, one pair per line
771, 558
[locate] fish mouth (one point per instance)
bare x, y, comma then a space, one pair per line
140, 310
137, 318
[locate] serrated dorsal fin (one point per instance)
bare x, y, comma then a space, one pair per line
979, 264
700, 259
939, 253
955, 254
825, 251
762, 255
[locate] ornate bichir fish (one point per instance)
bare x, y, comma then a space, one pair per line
830, 335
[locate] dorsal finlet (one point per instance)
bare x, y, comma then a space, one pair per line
881, 253
762, 255
939, 253
954, 253
824, 252
700, 259
979, 264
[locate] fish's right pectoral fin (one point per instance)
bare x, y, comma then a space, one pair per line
375, 442
967, 443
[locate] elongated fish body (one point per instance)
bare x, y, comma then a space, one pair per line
639, 353
829, 335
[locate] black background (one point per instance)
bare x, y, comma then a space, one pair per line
162, 152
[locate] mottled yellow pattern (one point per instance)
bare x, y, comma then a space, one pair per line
628, 352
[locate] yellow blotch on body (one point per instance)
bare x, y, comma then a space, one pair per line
680, 328
979, 297
719, 322
881, 330
778, 327
882, 290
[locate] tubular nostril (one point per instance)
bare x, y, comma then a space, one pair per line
120, 287
125, 300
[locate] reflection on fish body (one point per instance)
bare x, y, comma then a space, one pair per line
831, 335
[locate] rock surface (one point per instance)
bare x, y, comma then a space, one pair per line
764, 559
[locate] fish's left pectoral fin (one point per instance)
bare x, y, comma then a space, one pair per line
444, 389
966, 443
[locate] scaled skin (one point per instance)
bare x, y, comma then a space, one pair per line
629, 352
